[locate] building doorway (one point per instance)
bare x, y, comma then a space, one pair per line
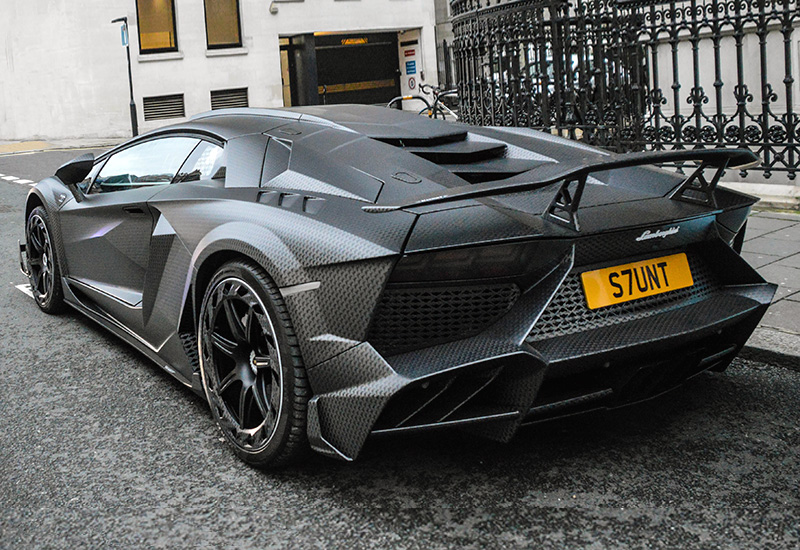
334, 68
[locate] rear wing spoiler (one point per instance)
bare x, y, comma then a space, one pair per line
696, 188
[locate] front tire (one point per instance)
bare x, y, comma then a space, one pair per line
251, 367
44, 272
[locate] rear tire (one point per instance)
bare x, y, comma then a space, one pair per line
43, 269
252, 371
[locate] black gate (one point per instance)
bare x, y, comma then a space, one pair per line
633, 75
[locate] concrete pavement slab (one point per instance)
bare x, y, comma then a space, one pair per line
759, 260
792, 261
753, 233
774, 247
783, 315
778, 215
760, 222
787, 278
791, 233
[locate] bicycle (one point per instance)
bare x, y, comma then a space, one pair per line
437, 109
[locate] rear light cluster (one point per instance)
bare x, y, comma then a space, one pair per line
477, 262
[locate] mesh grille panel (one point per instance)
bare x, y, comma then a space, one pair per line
568, 313
412, 318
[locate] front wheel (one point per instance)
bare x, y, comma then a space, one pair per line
252, 370
43, 271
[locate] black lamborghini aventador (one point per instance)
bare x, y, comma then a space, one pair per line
322, 274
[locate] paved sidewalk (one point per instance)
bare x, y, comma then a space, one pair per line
17, 147
772, 246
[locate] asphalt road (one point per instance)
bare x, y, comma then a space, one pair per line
100, 448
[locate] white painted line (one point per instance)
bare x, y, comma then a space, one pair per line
31, 185
25, 289
1, 175
10, 178
24, 181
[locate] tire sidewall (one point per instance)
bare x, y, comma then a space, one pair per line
53, 301
276, 443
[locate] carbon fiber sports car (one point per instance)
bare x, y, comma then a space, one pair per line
322, 274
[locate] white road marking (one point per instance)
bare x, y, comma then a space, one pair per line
15, 179
25, 289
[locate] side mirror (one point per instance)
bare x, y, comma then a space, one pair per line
74, 172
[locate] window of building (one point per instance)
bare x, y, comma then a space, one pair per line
223, 27
157, 31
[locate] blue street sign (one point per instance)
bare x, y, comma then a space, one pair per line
124, 32
411, 67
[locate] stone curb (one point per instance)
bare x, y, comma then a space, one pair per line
773, 346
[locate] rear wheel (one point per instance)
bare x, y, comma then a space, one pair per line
43, 271
251, 367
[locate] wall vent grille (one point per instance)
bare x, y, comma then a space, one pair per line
164, 106
229, 99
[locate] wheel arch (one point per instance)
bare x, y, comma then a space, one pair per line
233, 241
206, 270
32, 202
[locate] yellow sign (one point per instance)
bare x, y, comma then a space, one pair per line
622, 283
355, 86
353, 41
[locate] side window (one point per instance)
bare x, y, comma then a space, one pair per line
87, 181
151, 163
206, 162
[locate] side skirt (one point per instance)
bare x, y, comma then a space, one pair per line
125, 334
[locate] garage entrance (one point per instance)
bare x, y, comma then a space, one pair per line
328, 68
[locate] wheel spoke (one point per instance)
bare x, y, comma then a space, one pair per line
234, 323
35, 280
35, 240
45, 281
243, 404
264, 406
250, 325
226, 382
223, 344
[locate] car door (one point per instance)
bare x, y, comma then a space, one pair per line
107, 235
202, 177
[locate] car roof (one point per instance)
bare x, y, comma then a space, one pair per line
372, 121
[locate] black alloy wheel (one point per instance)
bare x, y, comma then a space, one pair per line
251, 366
43, 270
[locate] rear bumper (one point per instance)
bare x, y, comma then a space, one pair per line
492, 383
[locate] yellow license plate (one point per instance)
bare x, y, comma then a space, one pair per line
623, 283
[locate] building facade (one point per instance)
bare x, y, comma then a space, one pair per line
64, 72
